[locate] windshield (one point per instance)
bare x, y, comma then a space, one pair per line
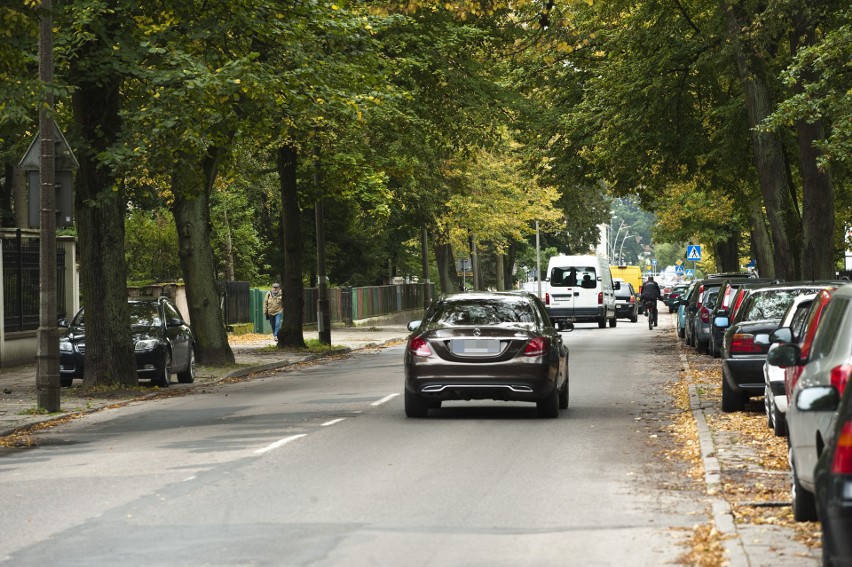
142, 314
483, 312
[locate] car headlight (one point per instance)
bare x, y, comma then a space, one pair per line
146, 345
65, 346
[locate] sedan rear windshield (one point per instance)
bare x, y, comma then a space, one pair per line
772, 304
485, 312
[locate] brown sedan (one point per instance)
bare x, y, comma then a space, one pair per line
486, 346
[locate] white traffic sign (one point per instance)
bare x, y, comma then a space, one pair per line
693, 252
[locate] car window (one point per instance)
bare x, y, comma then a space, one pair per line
799, 320
572, 276
144, 314
771, 304
827, 332
485, 312
171, 312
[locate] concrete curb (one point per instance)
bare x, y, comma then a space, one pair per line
723, 517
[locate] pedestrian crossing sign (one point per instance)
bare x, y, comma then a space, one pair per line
693, 252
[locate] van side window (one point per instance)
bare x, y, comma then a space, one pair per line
588, 278
563, 277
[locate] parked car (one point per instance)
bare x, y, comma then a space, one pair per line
164, 343
746, 341
810, 425
498, 346
731, 296
833, 476
626, 304
791, 330
672, 301
702, 319
681, 309
694, 304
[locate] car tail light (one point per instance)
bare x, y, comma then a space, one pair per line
704, 315
842, 463
632, 299
839, 376
536, 347
419, 347
600, 298
700, 293
726, 300
743, 343
547, 299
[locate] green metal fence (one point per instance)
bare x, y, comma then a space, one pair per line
347, 304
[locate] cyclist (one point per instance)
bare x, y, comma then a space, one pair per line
650, 294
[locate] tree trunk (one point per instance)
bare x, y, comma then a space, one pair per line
817, 187
100, 205
191, 210
760, 241
727, 254
769, 157
501, 283
446, 267
291, 333
508, 265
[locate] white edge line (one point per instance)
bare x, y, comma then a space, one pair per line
332, 422
384, 400
279, 443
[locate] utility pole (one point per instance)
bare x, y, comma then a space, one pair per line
323, 308
47, 372
424, 257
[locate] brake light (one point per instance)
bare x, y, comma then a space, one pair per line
600, 298
839, 376
704, 315
547, 299
536, 347
632, 299
700, 294
743, 343
842, 463
727, 298
419, 347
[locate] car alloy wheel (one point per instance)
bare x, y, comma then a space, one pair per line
163, 379
188, 375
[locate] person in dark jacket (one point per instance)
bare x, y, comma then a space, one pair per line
650, 294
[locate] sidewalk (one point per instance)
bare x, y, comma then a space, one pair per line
252, 353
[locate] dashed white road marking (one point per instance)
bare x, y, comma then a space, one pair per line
384, 400
332, 422
279, 443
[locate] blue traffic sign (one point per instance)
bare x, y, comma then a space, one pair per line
690, 273
693, 252
654, 262
679, 270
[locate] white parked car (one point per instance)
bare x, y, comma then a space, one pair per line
791, 331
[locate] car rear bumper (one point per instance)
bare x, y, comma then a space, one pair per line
745, 373
579, 314
526, 382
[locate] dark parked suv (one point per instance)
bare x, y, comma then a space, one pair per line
163, 342
746, 341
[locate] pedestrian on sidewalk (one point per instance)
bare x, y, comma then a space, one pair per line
273, 308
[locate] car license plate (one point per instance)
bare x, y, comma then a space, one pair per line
475, 347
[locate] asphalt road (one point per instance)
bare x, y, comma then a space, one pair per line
319, 466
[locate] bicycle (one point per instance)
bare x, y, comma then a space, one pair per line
651, 312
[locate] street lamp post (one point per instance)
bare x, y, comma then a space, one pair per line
621, 248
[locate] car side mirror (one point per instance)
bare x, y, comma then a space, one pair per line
784, 355
781, 335
818, 398
62, 323
721, 322
412, 325
174, 322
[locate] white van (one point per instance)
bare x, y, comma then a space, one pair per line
580, 289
